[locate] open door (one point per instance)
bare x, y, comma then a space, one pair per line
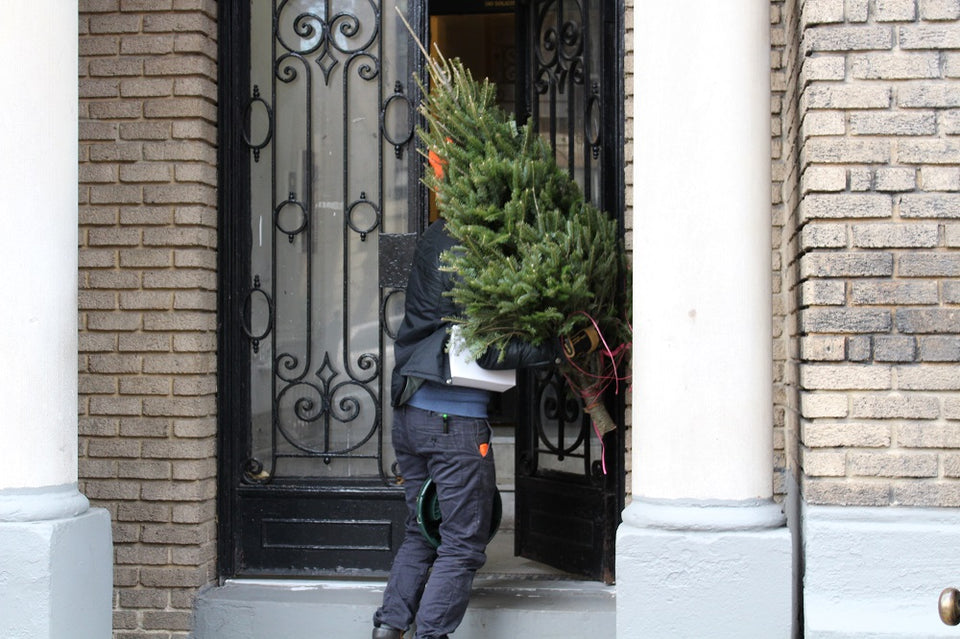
570, 485
321, 205
559, 62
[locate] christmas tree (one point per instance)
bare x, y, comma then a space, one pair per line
534, 260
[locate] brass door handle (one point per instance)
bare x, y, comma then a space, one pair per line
950, 606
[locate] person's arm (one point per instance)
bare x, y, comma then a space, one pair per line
521, 354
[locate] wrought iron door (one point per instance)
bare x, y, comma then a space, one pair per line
317, 122
320, 208
569, 483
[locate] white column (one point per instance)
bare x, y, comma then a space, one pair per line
702, 545
55, 552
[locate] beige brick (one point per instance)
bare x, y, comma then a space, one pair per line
845, 320
143, 300
144, 342
178, 23
112, 363
112, 280
823, 349
179, 491
823, 67
896, 179
930, 36
822, 123
929, 377
827, 206
893, 293
895, 10
821, 405
821, 12
928, 435
895, 406
940, 205
823, 293
823, 235
880, 235
846, 377
183, 364
927, 493
179, 407
187, 65
181, 321
949, 120
180, 278
194, 385
951, 465
180, 237
144, 427
145, 131
194, 343
895, 66
168, 577
195, 469
115, 406
893, 464
939, 9
143, 385
824, 463
145, 258
146, 44
938, 178
195, 427
823, 179
840, 96
146, 88
114, 23
832, 150
951, 408
823, 264
97, 384
147, 216
852, 435
855, 38
97, 258
195, 300
844, 492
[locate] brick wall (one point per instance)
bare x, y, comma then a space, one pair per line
875, 209
778, 82
147, 281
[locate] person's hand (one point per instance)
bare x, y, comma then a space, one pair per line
580, 343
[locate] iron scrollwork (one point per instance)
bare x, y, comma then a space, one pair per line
567, 108
335, 413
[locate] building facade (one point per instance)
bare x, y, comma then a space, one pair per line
790, 190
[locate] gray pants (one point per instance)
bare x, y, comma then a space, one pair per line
432, 586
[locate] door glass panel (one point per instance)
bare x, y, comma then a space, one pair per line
566, 71
329, 126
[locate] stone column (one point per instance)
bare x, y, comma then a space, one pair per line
703, 550
55, 551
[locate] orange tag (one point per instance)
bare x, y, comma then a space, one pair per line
484, 449
436, 162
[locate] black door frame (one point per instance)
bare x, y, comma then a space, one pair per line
234, 269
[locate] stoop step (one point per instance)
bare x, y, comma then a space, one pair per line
508, 606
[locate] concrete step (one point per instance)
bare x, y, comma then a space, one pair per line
501, 606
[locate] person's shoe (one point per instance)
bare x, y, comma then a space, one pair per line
386, 632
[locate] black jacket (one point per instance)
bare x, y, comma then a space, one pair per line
420, 348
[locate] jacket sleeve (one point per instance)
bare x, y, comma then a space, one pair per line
521, 354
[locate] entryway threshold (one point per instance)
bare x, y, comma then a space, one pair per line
501, 606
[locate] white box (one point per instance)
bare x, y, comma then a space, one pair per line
464, 370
